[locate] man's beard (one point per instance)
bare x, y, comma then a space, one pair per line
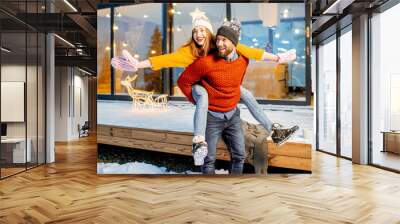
226, 53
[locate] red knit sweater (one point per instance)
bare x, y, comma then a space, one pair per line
221, 79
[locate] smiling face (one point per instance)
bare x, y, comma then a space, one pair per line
200, 35
224, 45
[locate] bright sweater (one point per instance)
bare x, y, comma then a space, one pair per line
221, 79
183, 57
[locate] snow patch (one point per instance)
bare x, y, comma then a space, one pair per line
140, 168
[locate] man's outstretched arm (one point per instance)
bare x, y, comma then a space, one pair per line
191, 76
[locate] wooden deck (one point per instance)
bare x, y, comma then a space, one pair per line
293, 155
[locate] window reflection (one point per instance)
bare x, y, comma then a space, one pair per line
275, 28
138, 28
327, 96
103, 51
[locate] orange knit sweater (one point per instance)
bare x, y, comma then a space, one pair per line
221, 79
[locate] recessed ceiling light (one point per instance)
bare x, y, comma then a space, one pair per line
70, 5
84, 71
64, 40
5, 49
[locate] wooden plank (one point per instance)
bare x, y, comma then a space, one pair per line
179, 139
290, 162
149, 135
222, 154
122, 132
300, 150
294, 155
104, 130
155, 146
187, 139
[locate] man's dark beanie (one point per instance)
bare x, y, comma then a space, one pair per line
229, 33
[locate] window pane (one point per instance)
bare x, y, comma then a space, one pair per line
346, 94
32, 98
41, 98
138, 28
385, 86
13, 83
275, 28
327, 97
182, 31
103, 52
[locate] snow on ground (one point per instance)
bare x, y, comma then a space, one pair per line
140, 168
179, 117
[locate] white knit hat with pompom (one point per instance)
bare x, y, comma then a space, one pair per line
202, 20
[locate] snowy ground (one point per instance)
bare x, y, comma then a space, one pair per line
140, 168
179, 117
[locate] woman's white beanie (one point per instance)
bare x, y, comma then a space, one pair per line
202, 20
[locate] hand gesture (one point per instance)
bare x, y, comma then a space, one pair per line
287, 57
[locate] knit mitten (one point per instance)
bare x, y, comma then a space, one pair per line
287, 57
131, 59
122, 63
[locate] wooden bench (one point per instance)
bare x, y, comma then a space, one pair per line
293, 155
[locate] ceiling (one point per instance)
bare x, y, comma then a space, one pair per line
76, 26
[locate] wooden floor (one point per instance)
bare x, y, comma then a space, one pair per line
70, 191
387, 159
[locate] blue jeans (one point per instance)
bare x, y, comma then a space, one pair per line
232, 134
200, 95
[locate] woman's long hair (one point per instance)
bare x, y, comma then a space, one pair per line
201, 51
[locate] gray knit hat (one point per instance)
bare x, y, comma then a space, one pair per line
230, 30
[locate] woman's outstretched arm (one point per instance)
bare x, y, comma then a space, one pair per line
180, 58
261, 55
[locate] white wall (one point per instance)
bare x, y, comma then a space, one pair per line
62, 82
71, 94
12, 73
